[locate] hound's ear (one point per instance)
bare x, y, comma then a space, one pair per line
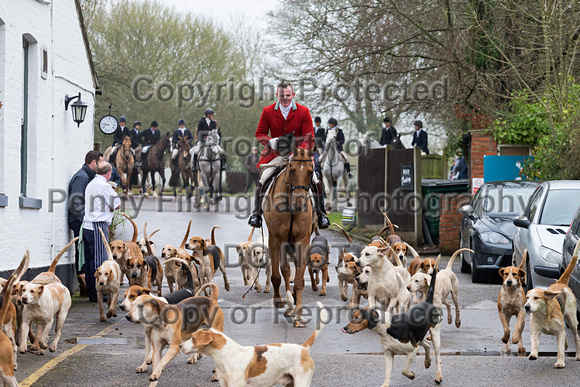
110, 275
550, 294
384, 250
522, 276
374, 318
40, 290
202, 338
501, 271
128, 261
96, 274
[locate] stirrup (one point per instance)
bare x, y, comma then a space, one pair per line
350, 175
255, 220
323, 221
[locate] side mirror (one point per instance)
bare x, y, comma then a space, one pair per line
466, 210
522, 221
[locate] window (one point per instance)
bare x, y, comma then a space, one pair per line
534, 202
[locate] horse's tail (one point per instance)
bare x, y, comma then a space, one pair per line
213, 235
135, 229
52, 267
184, 241
348, 238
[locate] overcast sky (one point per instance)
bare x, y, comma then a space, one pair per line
223, 10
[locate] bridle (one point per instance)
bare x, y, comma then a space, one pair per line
292, 208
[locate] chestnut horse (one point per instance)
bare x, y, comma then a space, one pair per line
288, 215
124, 162
182, 167
155, 162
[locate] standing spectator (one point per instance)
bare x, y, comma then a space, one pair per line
76, 205
100, 204
388, 133
420, 137
251, 165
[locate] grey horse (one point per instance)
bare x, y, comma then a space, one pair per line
209, 170
333, 172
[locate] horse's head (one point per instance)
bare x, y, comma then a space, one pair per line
301, 167
166, 141
126, 147
184, 146
330, 139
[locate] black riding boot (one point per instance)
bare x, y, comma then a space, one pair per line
318, 190
347, 168
173, 164
224, 163
194, 164
256, 217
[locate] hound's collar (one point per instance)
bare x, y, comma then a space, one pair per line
294, 107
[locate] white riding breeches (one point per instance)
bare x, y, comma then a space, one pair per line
195, 150
146, 148
176, 152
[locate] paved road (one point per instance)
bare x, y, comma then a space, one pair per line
95, 353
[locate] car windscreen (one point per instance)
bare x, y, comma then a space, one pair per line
506, 200
560, 206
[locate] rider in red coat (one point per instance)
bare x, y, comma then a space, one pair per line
279, 124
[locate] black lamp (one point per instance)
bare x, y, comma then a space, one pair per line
79, 108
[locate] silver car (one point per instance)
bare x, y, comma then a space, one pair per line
541, 229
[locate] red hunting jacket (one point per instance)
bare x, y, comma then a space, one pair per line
273, 125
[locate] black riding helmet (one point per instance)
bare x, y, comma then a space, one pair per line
208, 112
333, 121
135, 123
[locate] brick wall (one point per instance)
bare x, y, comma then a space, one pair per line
450, 221
482, 144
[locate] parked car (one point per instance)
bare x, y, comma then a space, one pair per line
541, 229
570, 241
487, 226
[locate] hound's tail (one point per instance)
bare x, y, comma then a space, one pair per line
437, 262
523, 260
251, 234
52, 267
149, 251
135, 229
348, 238
20, 270
215, 291
566, 276
213, 234
382, 231
390, 225
455, 254
412, 250
184, 241
107, 247
322, 321
432, 287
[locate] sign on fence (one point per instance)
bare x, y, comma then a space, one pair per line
407, 178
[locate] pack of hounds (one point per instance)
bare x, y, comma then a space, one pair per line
404, 305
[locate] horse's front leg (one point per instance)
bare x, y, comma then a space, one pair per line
301, 251
274, 247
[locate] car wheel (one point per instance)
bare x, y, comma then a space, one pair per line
465, 268
529, 284
477, 276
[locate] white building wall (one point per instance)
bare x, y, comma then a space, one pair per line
56, 146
